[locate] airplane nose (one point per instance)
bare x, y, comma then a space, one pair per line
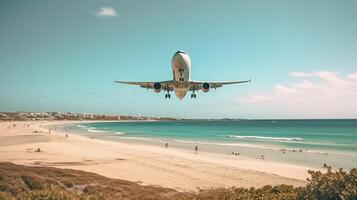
180, 52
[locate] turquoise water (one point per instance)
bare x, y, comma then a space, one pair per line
314, 139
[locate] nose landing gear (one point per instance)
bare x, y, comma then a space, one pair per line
167, 95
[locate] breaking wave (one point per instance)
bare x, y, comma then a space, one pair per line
90, 129
265, 138
82, 126
187, 141
93, 130
140, 138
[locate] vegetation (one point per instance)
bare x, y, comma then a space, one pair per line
332, 185
24, 182
47, 183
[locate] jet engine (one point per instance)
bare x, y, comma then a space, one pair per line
157, 87
205, 87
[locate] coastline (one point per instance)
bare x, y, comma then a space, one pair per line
144, 164
137, 134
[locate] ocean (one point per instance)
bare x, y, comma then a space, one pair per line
302, 142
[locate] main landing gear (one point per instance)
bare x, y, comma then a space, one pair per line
193, 95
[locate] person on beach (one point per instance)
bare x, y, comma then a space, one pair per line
166, 145
196, 148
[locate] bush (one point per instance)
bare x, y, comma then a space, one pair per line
279, 192
332, 185
338, 185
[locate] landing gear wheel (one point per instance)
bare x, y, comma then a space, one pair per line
167, 95
193, 95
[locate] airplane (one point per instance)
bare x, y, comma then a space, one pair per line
181, 82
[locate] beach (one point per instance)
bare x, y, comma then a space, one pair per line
33, 143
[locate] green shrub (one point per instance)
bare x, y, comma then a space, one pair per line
332, 185
338, 185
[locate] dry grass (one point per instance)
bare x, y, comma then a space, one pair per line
25, 182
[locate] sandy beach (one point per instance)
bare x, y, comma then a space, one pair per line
142, 164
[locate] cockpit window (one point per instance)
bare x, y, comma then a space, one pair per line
180, 52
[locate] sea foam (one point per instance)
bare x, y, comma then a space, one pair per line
93, 130
82, 126
265, 138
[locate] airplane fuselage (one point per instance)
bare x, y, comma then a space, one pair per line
181, 66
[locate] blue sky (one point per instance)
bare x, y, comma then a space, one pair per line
64, 55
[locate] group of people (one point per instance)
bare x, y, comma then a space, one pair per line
166, 145
14, 125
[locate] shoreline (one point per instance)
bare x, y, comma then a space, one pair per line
143, 164
309, 158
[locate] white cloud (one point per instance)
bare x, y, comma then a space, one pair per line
322, 94
300, 74
106, 12
304, 85
352, 76
284, 90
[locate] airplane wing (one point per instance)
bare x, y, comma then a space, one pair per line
165, 85
197, 85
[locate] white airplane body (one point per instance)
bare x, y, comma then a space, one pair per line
181, 82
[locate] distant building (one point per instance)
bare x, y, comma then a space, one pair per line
88, 115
